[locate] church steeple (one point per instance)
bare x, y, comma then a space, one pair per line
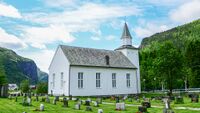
126, 36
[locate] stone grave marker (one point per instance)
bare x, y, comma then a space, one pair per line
70, 97
77, 106
96, 104
87, 103
195, 98
167, 108
43, 99
29, 101
147, 104
41, 107
99, 100
117, 99
57, 98
130, 99
100, 110
54, 101
88, 108
47, 99
120, 106
142, 109
65, 102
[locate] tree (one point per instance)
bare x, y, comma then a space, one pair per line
169, 64
24, 86
42, 87
193, 61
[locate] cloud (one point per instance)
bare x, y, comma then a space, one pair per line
149, 29
58, 3
42, 58
86, 17
9, 11
186, 12
110, 37
95, 38
38, 37
10, 41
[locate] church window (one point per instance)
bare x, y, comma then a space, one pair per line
98, 80
114, 80
61, 80
128, 84
80, 80
107, 60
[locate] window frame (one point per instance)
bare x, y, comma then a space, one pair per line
98, 80
114, 80
128, 80
80, 80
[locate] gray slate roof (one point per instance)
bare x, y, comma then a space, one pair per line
95, 57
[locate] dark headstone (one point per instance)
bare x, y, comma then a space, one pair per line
87, 103
117, 99
16, 99
147, 104
88, 108
142, 109
65, 102
57, 98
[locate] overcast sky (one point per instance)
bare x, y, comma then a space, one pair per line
34, 28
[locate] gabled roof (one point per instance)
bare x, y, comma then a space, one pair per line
95, 57
126, 33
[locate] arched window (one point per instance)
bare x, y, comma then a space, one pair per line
107, 60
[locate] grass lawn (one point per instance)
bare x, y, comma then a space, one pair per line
10, 106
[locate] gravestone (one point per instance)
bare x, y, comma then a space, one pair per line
87, 103
88, 108
47, 99
43, 99
54, 101
120, 106
117, 99
179, 100
100, 110
65, 102
77, 106
142, 109
96, 104
29, 101
57, 98
99, 100
130, 100
147, 104
70, 97
4, 90
195, 98
41, 107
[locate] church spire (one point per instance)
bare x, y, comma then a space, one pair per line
126, 36
126, 33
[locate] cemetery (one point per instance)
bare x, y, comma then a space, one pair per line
143, 103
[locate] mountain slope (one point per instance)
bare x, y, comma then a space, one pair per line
178, 35
17, 68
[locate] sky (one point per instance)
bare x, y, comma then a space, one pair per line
35, 28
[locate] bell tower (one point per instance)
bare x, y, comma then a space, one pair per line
131, 53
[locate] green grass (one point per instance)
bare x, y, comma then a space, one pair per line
10, 106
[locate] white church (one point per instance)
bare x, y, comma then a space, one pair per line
79, 71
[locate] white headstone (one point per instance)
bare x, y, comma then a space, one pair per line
100, 111
77, 106
120, 106
41, 107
